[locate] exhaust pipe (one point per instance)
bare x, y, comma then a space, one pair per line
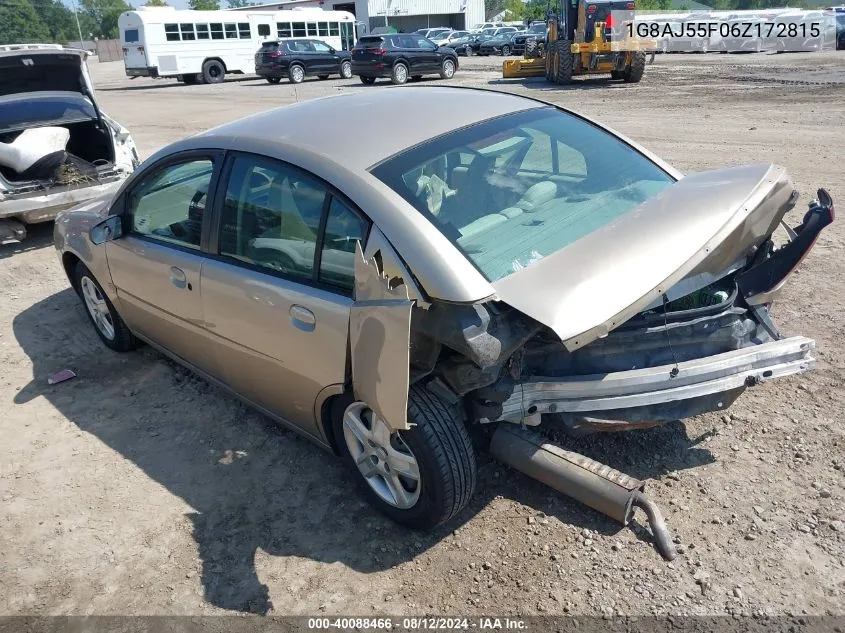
588, 481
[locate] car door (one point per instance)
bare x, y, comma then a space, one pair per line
156, 266
327, 60
429, 58
276, 299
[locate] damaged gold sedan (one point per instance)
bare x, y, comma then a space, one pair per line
501, 262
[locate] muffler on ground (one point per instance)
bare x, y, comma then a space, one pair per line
588, 481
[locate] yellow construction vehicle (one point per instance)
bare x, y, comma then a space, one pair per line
582, 39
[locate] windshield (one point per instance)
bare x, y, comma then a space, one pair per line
36, 110
512, 190
537, 28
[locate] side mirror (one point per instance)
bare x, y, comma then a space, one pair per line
109, 229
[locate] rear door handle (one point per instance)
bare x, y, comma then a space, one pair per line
178, 278
302, 318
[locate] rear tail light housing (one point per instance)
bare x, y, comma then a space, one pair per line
275, 54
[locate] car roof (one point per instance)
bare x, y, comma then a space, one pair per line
351, 129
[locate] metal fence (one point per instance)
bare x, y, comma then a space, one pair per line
109, 50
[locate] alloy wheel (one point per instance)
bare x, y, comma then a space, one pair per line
97, 308
382, 457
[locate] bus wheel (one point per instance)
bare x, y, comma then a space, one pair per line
213, 72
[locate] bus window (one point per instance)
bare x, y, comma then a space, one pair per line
299, 29
171, 32
187, 32
264, 30
334, 29
243, 30
282, 29
216, 31
130, 36
312, 29
202, 32
231, 30
323, 29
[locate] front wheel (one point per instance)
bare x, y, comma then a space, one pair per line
106, 321
420, 477
346, 70
506, 51
447, 70
399, 75
213, 72
634, 72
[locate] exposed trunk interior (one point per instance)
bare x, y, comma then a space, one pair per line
89, 144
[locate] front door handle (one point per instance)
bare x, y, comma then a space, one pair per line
302, 318
178, 278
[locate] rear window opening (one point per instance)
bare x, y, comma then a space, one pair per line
370, 42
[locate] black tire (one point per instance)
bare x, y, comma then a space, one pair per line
296, 73
563, 67
448, 68
531, 49
346, 70
468, 51
634, 72
213, 72
399, 74
123, 340
617, 74
366, 79
506, 50
274, 80
446, 458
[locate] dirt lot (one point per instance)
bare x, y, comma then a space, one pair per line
139, 489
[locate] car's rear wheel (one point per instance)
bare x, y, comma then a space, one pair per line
447, 70
346, 70
296, 74
274, 80
213, 72
366, 79
399, 75
506, 50
420, 477
106, 321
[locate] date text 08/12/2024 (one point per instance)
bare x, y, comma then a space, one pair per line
417, 624
724, 29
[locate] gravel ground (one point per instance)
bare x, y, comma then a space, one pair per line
139, 489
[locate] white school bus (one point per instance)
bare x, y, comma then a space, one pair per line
205, 46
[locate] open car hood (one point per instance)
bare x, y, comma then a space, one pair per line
44, 70
689, 235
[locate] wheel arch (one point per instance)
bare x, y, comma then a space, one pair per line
69, 262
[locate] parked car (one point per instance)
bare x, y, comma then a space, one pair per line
840, 30
497, 45
444, 39
431, 33
299, 58
760, 36
486, 26
466, 45
813, 31
400, 57
698, 34
535, 32
57, 147
386, 296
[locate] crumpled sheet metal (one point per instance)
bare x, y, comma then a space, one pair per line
379, 334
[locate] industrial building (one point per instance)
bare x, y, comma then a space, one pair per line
403, 15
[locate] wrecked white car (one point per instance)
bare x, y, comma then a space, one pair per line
502, 262
57, 149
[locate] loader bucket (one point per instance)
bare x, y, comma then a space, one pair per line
512, 68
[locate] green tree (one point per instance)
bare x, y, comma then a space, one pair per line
155, 3
654, 5
204, 5
237, 4
103, 15
58, 19
20, 23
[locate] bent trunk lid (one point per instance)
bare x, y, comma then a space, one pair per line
701, 228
